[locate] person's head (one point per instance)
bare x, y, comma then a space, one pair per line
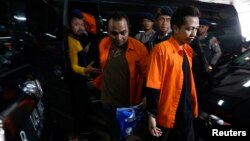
76, 22
148, 21
163, 17
185, 23
118, 28
204, 26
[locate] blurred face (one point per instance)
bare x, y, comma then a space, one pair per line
163, 23
187, 32
147, 24
118, 32
77, 26
203, 29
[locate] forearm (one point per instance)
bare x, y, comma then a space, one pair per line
216, 55
152, 100
78, 69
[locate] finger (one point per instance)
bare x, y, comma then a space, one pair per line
158, 129
152, 132
90, 64
158, 134
97, 71
155, 133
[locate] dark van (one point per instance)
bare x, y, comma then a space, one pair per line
22, 110
26, 40
33, 39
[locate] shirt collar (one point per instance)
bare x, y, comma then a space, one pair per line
177, 48
129, 44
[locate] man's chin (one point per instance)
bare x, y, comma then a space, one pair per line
164, 30
79, 33
119, 44
190, 40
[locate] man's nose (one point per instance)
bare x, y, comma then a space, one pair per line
193, 33
82, 27
118, 36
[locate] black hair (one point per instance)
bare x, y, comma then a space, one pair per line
179, 15
76, 13
118, 15
167, 11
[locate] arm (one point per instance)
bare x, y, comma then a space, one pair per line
153, 90
199, 53
141, 66
217, 50
144, 61
152, 101
74, 46
137, 36
152, 104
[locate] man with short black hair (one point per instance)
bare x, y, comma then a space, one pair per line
162, 22
78, 74
171, 96
209, 44
123, 61
147, 23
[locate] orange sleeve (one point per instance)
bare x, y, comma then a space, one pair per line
155, 68
144, 60
90, 23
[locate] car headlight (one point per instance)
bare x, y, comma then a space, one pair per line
32, 87
211, 119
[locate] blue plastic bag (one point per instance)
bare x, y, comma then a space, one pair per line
129, 118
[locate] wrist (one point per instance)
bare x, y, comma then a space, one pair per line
151, 115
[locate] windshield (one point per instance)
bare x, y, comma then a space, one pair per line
242, 61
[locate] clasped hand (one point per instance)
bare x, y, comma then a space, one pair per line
91, 70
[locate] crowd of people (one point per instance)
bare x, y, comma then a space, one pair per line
155, 67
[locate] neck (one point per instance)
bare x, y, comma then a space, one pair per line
163, 34
203, 36
179, 42
148, 30
124, 46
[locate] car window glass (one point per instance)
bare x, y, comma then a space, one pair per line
242, 60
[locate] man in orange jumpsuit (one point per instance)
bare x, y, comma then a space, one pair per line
172, 101
123, 61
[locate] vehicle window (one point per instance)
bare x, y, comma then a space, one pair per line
45, 20
30, 30
243, 60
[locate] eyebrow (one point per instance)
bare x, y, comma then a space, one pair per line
114, 32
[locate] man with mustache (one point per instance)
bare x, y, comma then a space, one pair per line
123, 61
78, 74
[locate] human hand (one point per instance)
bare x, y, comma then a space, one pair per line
209, 68
90, 70
153, 129
86, 48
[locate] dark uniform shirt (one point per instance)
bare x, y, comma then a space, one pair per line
155, 40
